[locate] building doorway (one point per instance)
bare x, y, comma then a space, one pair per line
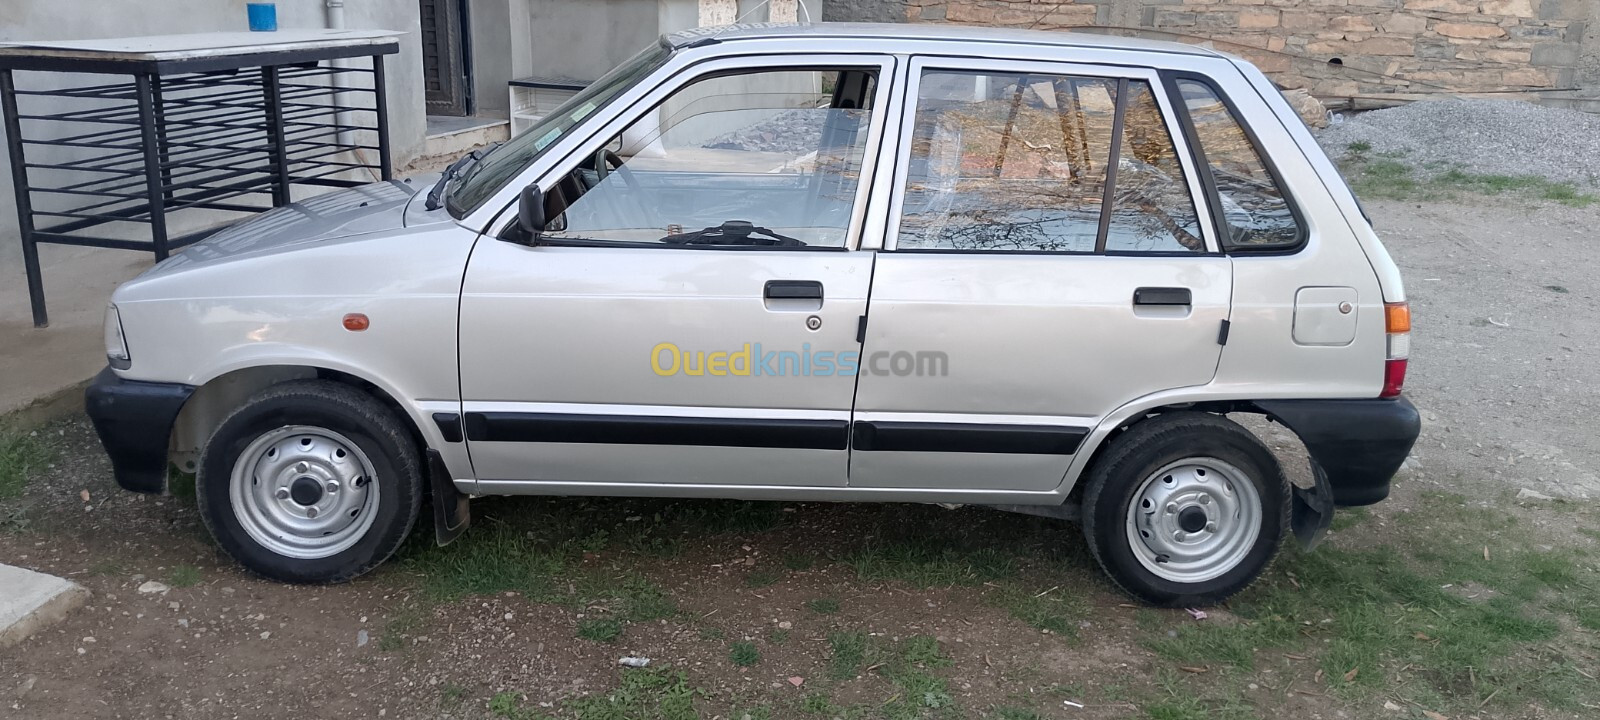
446, 50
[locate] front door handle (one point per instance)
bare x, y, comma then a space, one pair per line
793, 290
1147, 296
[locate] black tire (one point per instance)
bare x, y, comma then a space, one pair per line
1154, 444
357, 416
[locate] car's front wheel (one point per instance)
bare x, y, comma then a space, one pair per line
1185, 509
310, 481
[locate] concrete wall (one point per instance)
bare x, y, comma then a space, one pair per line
82, 19
582, 40
1388, 46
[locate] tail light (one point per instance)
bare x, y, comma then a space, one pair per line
1397, 325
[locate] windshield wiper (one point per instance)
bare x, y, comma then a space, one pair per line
733, 232
456, 168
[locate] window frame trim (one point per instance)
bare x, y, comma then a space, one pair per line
884, 65
1208, 179
898, 173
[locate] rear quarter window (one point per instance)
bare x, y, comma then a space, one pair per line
1254, 210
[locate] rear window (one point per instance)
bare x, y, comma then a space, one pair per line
1254, 208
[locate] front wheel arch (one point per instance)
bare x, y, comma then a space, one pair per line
218, 397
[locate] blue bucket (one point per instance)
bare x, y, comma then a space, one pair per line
263, 16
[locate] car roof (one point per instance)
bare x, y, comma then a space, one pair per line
931, 33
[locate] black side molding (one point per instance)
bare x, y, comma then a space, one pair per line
656, 430
134, 421
449, 426
966, 438
1360, 444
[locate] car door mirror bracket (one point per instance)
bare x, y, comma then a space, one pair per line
530, 214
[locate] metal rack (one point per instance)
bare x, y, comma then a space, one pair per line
192, 128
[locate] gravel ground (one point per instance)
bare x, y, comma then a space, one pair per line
793, 131
1485, 137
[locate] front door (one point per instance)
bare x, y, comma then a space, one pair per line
1049, 266
690, 311
444, 57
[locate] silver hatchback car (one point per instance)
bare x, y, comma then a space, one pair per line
803, 262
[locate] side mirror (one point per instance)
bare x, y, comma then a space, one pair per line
530, 212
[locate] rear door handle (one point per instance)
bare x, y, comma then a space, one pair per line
1162, 296
793, 290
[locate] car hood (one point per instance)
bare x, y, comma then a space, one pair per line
378, 207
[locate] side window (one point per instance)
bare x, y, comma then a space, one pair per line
770, 158
1021, 161
1152, 211
1255, 208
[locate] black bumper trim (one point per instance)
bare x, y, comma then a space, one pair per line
1360, 444
134, 420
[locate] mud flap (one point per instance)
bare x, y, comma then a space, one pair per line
452, 511
1311, 509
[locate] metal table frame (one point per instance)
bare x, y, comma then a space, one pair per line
206, 132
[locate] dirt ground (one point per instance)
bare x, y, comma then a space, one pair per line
529, 614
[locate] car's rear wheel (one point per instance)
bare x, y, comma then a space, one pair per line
310, 481
1185, 509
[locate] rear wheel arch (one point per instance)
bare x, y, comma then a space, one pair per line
1129, 420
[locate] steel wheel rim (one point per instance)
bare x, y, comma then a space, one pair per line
1194, 520
304, 492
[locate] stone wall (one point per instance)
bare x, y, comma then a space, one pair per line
1339, 49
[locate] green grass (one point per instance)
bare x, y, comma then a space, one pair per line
1385, 177
778, 636
508, 705
22, 454
823, 606
183, 576
848, 653
1050, 610
644, 694
1179, 700
744, 653
817, 704
1458, 626
603, 630
1347, 518
451, 695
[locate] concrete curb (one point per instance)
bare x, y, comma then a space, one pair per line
31, 601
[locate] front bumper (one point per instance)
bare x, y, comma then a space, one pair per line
134, 420
1359, 444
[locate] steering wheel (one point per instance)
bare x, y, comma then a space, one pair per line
605, 161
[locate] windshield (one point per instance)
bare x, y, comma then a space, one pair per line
484, 178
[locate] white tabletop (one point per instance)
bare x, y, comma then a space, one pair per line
198, 45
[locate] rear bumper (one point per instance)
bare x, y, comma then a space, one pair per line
1359, 444
134, 420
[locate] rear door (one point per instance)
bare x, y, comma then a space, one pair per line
1045, 264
